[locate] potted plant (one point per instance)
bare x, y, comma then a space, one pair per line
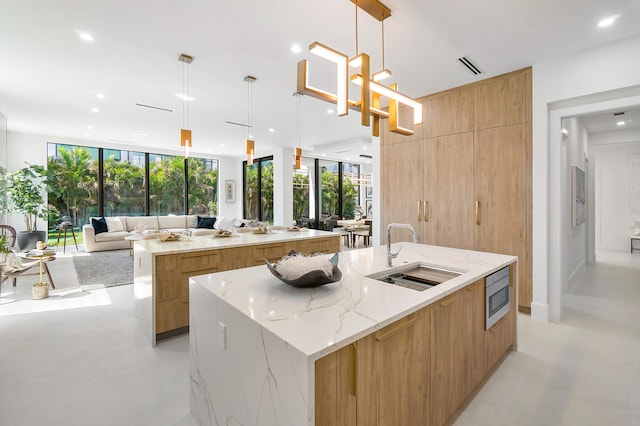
26, 188
4, 248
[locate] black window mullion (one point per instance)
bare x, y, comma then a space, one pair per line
340, 176
317, 192
100, 183
186, 186
147, 185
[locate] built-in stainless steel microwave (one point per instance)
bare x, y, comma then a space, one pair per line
498, 296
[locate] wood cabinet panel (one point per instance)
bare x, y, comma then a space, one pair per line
500, 337
398, 392
473, 335
402, 187
172, 314
198, 261
335, 388
171, 284
448, 113
448, 190
500, 101
446, 358
166, 262
501, 190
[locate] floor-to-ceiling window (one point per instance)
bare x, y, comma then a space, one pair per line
258, 189
351, 190
329, 188
110, 182
304, 190
123, 182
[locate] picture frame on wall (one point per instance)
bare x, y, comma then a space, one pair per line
230, 191
368, 208
368, 192
578, 195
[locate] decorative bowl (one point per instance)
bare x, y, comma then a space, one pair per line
312, 278
221, 233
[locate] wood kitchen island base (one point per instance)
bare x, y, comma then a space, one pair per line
357, 352
162, 269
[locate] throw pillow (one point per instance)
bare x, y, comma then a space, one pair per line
206, 222
114, 224
99, 225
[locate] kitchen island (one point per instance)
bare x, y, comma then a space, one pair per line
162, 269
359, 351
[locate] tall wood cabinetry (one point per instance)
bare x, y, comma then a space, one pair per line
463, 179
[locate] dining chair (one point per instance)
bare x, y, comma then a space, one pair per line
364, 232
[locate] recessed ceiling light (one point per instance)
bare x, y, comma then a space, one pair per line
84, 36
329, 111
89, 127
271, 130
608, 21
250, 136
295, 48
364, 148
87, 134
100, 95
142, 135
185, 97
565, 131
324, 155
95, 110
620, 123
221, 145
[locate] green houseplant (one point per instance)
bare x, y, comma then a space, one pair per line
27, 188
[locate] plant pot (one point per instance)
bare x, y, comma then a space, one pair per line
40, 291
27, 240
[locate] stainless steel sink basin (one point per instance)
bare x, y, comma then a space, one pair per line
416, 276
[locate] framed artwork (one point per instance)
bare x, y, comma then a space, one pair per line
230, 191
368, 208
368, 192
578, 195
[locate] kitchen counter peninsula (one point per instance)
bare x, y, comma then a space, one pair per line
264, 353
162, 269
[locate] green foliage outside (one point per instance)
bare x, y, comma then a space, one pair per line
73, 189
251, 191
26, 188
300, 195
331, 194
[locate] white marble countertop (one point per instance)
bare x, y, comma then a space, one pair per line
208, 242
320, 320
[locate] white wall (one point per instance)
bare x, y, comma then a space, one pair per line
32, 149
575, 146
616, 158
599, 75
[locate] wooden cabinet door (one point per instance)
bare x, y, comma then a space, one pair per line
473, 335
446, 358
448, 190
501, 191
335, 388
393, 373
401, 177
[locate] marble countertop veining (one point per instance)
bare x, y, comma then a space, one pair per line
208, 242
320, 320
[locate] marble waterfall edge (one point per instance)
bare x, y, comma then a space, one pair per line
243, 383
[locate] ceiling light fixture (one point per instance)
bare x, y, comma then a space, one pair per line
384, 73
295, 48
84, 36
185, 133
620, 123
371, 91
298, 153
249, 144
608, 21
95, 110
100, 95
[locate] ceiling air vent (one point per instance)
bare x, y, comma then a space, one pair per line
366, 156
615, 114
470, 65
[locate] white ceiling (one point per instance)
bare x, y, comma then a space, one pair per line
49, 78
608, 121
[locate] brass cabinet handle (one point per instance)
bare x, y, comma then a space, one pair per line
426, 211
419, 217
473, 286
448, 301
354, 372
477, 212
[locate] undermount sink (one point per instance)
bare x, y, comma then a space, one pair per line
416, 276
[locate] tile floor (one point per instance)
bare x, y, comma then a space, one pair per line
78, 358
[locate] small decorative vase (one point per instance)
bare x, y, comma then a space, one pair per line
40, 291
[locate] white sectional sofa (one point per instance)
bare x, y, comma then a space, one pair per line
119, 227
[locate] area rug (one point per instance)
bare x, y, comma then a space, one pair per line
104, 268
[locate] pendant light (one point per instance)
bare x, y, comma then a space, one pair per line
185, 132
384, 73
249, 144
298, 149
